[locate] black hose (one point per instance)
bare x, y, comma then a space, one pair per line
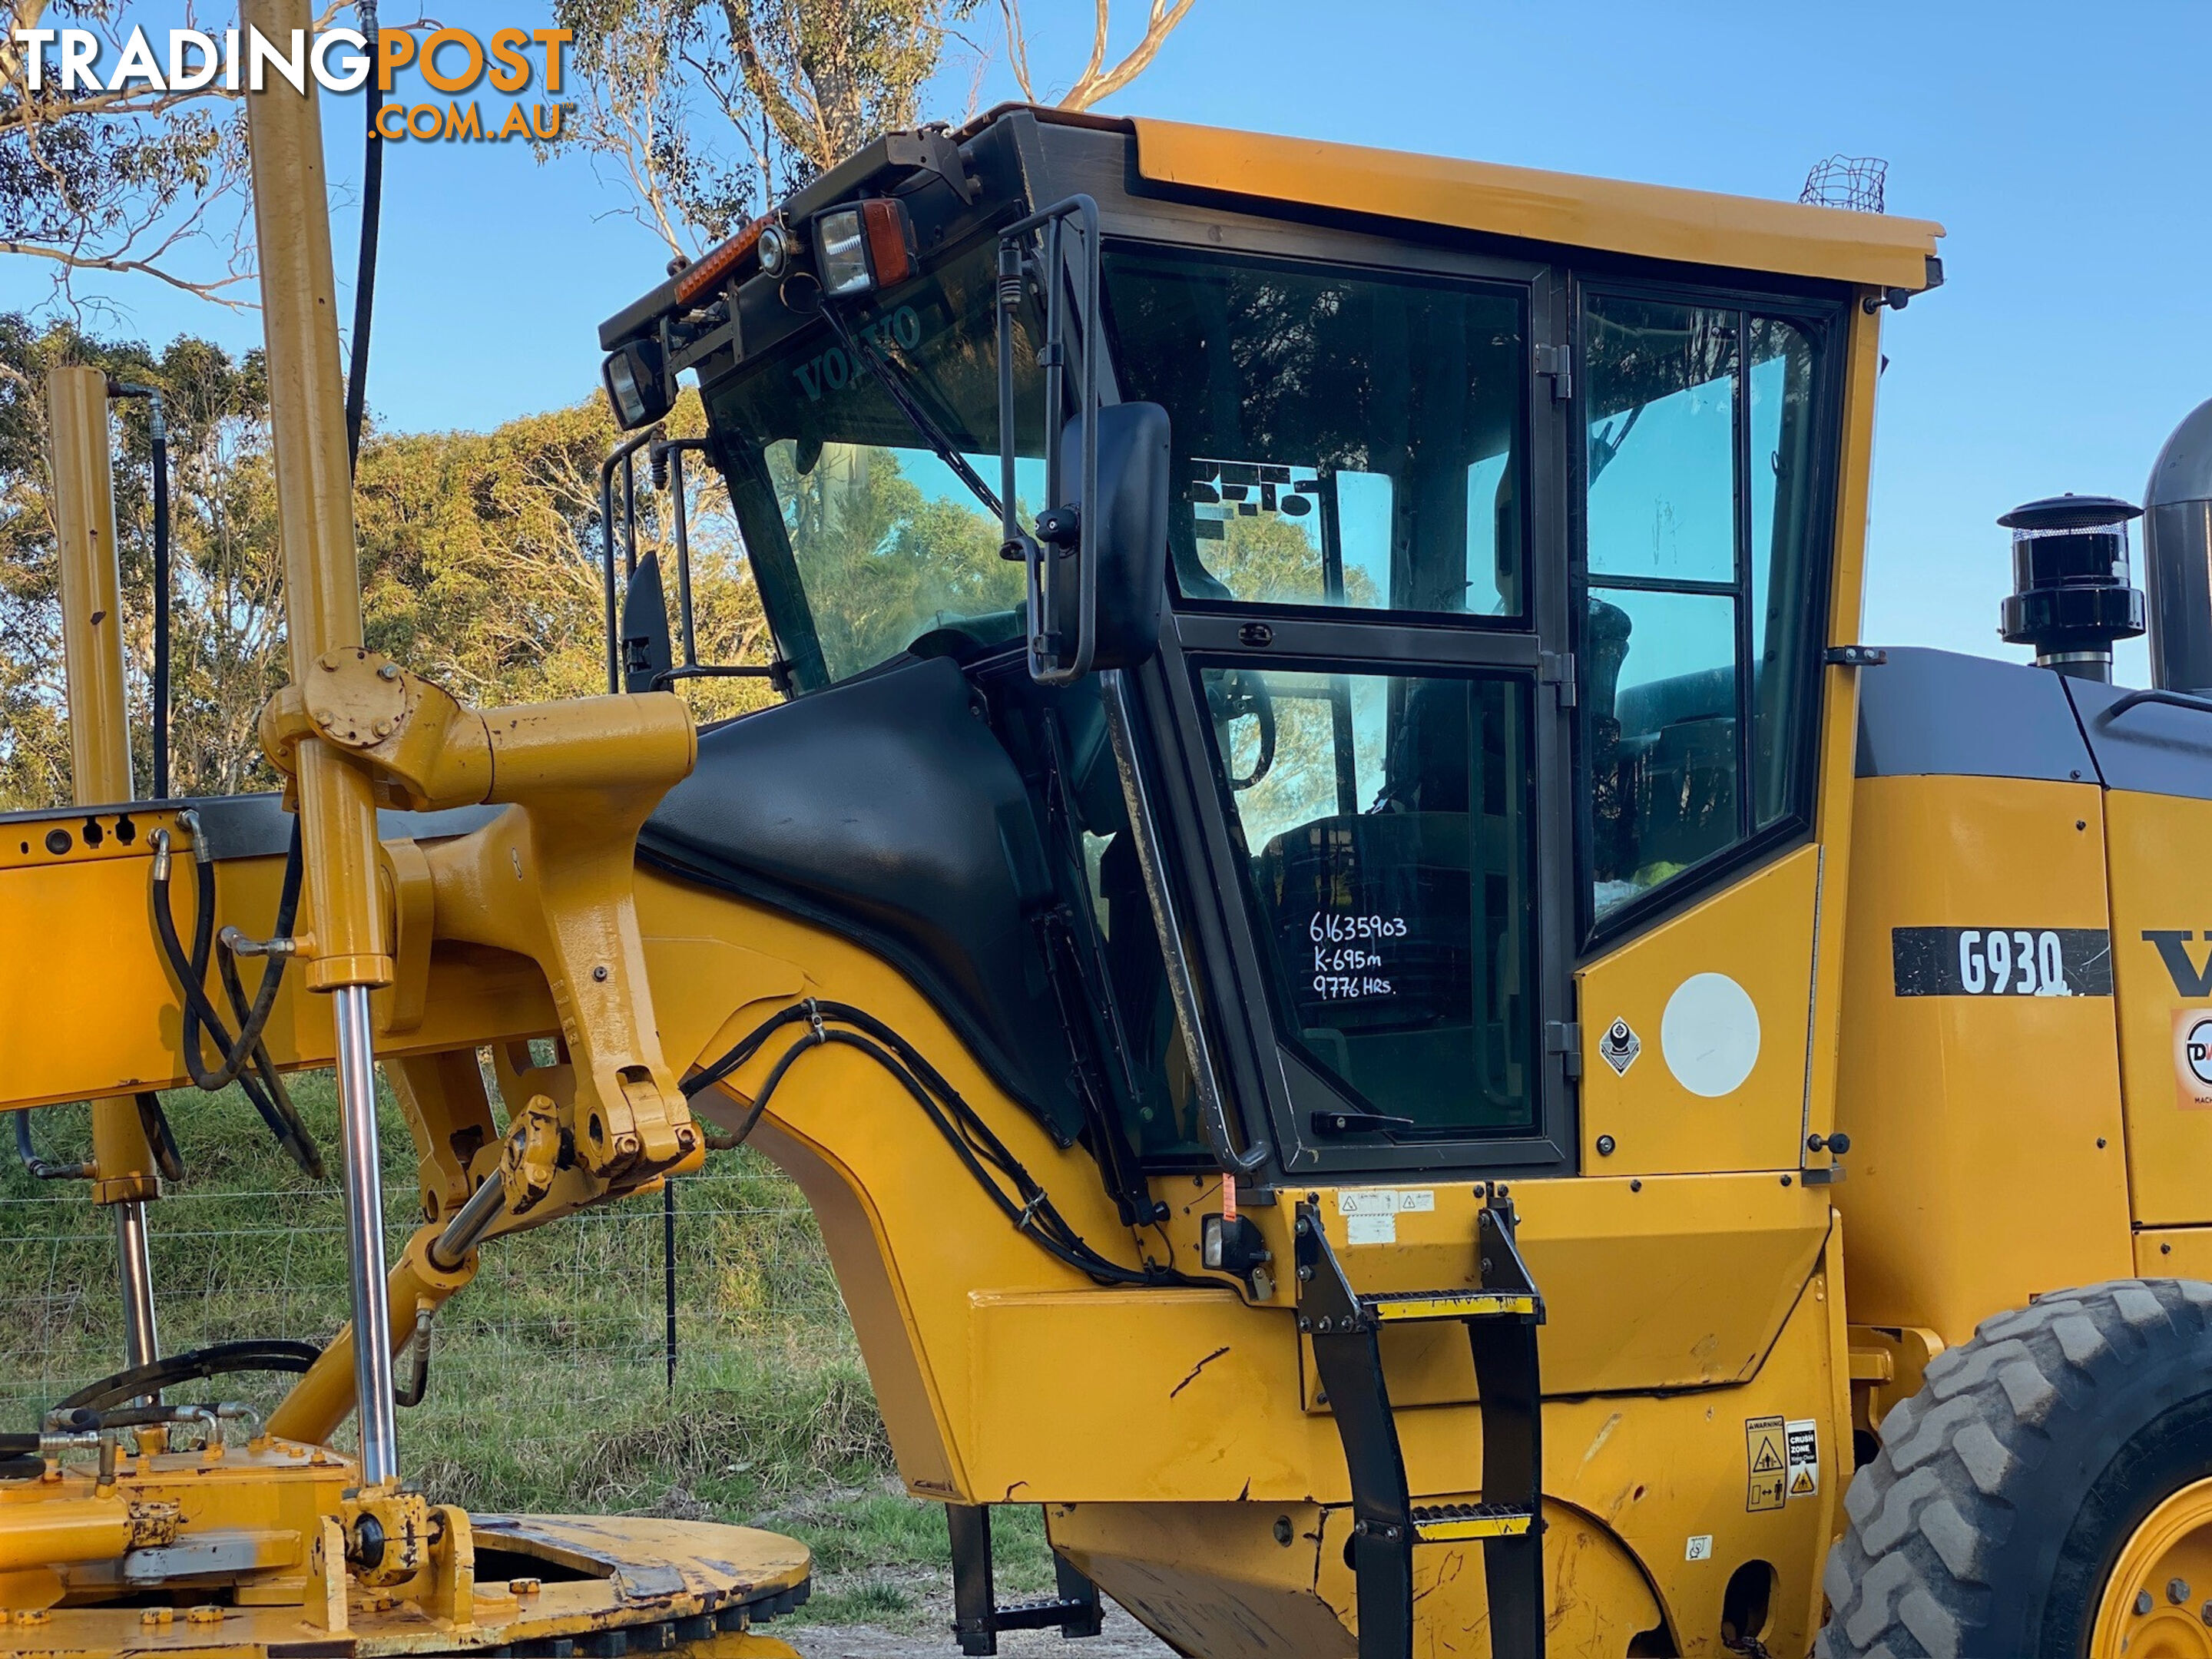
163, 1143
364, 286
39, 1167
220, 1360
254, 1019
237, 1053
157, 433
972, 1141
155, 1122
261, 1084
160, 715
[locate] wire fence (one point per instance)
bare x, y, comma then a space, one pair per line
548, 1383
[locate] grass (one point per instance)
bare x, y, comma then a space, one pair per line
549, 1390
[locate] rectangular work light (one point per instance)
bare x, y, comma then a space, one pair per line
863, 248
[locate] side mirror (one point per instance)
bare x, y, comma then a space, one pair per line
646, 651
1121, 550
1097, 564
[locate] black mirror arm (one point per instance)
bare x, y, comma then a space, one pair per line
1051, 661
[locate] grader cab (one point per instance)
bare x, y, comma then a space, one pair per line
1330, 900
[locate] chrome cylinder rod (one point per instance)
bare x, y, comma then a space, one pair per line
485, 1206
364, 1195
142, 1344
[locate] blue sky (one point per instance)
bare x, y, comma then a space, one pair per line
2063, 148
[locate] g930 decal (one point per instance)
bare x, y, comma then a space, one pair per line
2001, 962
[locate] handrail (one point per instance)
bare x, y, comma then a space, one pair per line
2113, 711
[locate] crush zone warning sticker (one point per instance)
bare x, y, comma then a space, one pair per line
1767, 1469
1804, 1437
1781, 1461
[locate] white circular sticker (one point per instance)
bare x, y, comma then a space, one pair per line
1710, 1035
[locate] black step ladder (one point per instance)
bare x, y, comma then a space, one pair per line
978, 1615
1501, 1319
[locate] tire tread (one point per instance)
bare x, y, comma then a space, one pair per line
1906, 1579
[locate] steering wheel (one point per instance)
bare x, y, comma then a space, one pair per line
1240, 694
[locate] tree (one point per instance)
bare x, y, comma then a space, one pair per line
226, 649
885, 562
1098, 81
480, 558
710, 111
131, 181
479, 562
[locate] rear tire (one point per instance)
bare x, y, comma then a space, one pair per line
2005, 1489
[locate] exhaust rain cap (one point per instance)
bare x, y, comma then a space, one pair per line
2073, 592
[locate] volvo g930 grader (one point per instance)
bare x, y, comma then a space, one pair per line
1323, 988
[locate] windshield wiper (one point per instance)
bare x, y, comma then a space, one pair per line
894, 382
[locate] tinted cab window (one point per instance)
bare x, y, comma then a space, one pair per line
1700, 477
1340, 439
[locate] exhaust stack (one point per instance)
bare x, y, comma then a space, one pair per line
2178, 556
2072, 594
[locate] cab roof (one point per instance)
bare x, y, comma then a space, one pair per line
1650, 221
1654, 221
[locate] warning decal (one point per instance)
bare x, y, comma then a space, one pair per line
1765, 1468
1371, 1213
1804, 1436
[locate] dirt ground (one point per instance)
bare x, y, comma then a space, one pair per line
1122, 1638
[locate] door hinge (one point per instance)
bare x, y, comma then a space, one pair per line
1563, 1037
1855, 656
1557, 668
1557, 364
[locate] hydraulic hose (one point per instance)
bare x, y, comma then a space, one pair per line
39, 1167
364, 287
261, 1084
987, 1159
162, 579
158, 1137
219, 1359
199, 1012
167, 1159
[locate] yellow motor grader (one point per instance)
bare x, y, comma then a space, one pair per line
1329, 901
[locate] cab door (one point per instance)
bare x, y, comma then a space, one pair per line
1703, 487
1360, 716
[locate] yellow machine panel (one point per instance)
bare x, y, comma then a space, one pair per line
1719, 1000
1988, 1160
2161, 905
